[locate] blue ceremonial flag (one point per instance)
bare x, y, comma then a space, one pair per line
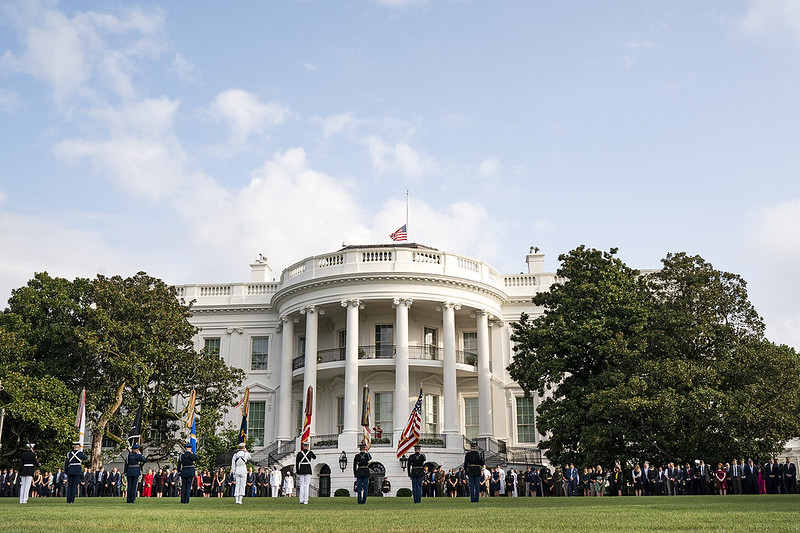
193, 435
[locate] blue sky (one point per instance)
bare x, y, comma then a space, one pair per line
185, 138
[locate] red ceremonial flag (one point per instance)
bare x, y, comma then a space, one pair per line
365, 412
307, 425
410, 435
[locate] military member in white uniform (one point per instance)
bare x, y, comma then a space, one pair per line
239, 469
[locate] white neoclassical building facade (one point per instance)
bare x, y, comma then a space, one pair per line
395, 317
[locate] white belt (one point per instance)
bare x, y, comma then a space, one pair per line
28, 465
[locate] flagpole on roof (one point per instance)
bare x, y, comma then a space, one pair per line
406, 211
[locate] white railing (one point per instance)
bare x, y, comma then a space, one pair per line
372, 256
331, 260
467, 264
297, 270
520, 280
427, 257
215, 290
261, 288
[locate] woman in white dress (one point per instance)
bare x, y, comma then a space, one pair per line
288, 485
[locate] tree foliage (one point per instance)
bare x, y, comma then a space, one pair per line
667, 365
124, 340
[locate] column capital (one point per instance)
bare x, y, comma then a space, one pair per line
449, 305
312, 309
481, 312
398, 301
352, 303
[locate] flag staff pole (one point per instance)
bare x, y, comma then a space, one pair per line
406, 211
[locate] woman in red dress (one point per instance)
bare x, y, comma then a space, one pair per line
722, 480
147, 489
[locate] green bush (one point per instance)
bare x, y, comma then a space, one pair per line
341, 493
405, 492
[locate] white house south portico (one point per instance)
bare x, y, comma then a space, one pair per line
395, 317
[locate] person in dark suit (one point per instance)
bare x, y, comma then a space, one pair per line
100, 479
74, 469
133, 470
752, 477
416, 469
186, 464
361, 472
772, 475
736, 477
87, 483
790, 477
473, 464
113, 483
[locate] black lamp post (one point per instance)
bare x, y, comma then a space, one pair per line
403, 462
343, 461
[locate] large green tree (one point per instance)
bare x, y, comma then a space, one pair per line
665, 365
125, 340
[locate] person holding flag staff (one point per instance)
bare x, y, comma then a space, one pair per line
74, 470
302, 465
416, 469
186, 464
133, 469
28, 463
239, 469
361, 471
473, 464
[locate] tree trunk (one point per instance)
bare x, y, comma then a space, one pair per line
105, 417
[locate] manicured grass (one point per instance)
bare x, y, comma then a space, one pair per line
697, 513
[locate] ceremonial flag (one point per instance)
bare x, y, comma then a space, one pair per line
365, 418
135, 434
400, 234
307, 423
410, 435
245, 403
80, 420
190, 422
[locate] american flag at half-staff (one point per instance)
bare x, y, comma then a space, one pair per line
245, 403
410, 435
80, 420
365, 418
400, 234
309, 407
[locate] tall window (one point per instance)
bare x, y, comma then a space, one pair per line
301, 345
258, 353
431, 343
212, 345
255, 423
340, 414
384, 410
470, 342
526, 420
431, 412
384, 341
471, 418
342, 338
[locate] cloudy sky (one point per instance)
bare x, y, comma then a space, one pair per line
185, 138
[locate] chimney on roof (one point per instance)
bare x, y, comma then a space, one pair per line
535, 261
260, 270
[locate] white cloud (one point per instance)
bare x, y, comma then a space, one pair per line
310, 67
67, 53
489, 167
399, 159
245, 115
333, 124
3, 196
9, 100
766, 19
184, 69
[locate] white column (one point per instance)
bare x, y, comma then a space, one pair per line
285, 394
450, 425
484, 376
310, 369
401, 306
351, 368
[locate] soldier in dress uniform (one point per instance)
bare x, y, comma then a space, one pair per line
302, 465
239, 470
416, 470
186, 464
28, 463
133, 469
473, 464
74, 469
361, 471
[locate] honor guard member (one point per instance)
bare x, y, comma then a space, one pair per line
473, 464
302, 465
28, 462
416, 469
239, 470
74, 469
186, 464
133, 469
361, 471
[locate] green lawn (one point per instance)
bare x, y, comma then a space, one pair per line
699, 513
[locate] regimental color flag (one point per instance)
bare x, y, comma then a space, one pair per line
80, 419
309, 408
365, 418
135, 434
400, 234
410, 435
245, 403
190, 422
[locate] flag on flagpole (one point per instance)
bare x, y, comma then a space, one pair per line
365, 418
309, 407
245, 403
400, 234
190, 422
410, 435
135, 434
80, 420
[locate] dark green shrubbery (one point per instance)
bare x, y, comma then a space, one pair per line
341, 493
405, 492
